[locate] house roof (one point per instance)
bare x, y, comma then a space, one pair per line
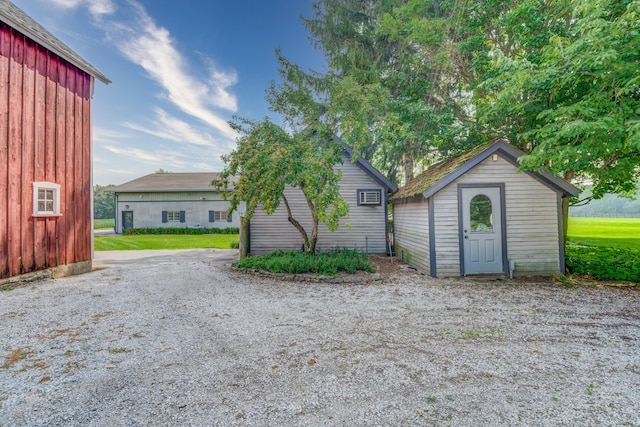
169, 182
13, 16
444, 173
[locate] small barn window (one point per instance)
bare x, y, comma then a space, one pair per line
221, 215
46, 199
369, 197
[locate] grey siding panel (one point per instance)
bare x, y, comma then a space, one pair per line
147, 209
363, 228
411, 233
531, 215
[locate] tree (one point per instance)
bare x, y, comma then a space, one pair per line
268, 160
399, 76
103, 202
572, 93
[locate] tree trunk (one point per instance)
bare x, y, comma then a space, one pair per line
244, 237
296, 224
407, 164
568, 176
314, 228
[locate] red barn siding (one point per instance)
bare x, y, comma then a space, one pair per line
45, 135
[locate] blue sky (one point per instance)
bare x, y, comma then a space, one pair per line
180, 70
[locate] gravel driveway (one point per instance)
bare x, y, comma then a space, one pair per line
175, 338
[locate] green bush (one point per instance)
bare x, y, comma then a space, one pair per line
329, 262
160, 230
604, 263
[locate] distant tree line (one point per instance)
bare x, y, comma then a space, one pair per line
103, 202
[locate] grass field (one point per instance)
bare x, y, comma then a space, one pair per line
138, 242
621, 233
99, 224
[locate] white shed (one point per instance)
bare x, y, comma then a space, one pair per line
365, 227
477, 214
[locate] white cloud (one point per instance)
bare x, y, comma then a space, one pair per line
97, 8
172, 129
153, 49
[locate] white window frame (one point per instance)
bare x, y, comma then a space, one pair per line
369, 197
220, 215
49, 188
173, 216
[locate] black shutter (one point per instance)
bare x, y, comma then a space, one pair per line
182, 216
229, 217
164, 216
212, 216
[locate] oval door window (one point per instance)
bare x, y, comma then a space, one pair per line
481, 214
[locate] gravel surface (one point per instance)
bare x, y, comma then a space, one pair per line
175, 338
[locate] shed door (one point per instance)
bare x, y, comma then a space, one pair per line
482, 247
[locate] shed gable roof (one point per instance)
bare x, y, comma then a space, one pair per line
442, 174
13, 16
169, 182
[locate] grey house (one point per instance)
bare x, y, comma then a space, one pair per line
172, 200
476, 214
365, 227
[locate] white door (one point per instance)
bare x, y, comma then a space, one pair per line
482, 230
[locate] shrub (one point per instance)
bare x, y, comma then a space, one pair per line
161, 230
329, 262
604, 263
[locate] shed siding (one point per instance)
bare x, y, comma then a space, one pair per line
147, 209
411, 233
531, 215
363, 228
44, 136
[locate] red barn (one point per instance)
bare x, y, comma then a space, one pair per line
45, 150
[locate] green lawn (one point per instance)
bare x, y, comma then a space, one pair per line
164, 241
103, 223
611, 232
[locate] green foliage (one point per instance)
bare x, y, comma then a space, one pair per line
269, 158
141, 242
604, 263
103, 202
101, 224
185, 231
568, 92
329, 263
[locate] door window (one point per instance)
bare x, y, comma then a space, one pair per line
481, 214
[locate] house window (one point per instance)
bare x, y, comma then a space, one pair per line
46, 199
369, 197
219, 216
173, 216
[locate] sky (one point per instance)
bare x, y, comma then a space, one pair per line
180, 70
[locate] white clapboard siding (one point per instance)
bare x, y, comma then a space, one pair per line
363, 228
531, 220
147, 209
411, 233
